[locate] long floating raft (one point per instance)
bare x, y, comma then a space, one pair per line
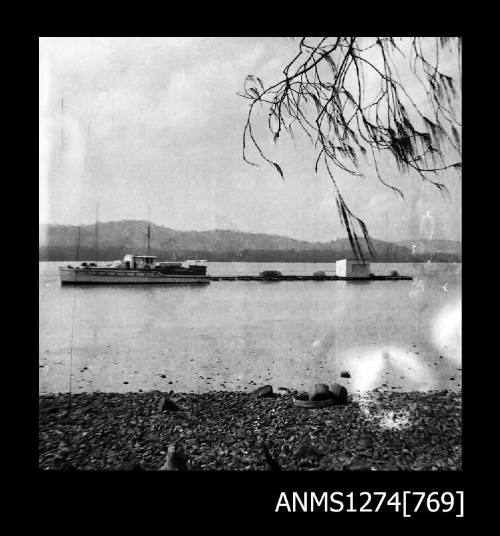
312, 278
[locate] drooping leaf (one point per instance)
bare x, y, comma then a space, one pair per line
279, 169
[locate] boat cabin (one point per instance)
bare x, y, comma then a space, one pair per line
195, 267
139, 262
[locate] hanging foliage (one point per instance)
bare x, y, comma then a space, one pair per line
347, 96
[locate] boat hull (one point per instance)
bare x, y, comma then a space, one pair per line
83, 276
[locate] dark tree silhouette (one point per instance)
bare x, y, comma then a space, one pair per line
347, 95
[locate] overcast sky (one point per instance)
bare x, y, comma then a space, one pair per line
133, 123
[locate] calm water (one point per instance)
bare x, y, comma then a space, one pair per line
229, 334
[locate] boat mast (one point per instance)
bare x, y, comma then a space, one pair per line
149, 229
62, 122
387, 235
81, 193
96, 246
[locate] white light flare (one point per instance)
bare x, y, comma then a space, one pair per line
365, 367
447, 331
368, 368
417, 377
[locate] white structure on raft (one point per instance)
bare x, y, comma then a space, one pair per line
352, 268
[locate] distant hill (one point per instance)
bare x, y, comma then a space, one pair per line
116, 238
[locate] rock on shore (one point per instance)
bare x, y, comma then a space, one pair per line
224, 430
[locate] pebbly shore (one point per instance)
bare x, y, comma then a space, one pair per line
220, 430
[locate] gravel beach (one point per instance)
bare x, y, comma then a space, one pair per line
220, 430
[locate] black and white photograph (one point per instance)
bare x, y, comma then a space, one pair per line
250, 254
